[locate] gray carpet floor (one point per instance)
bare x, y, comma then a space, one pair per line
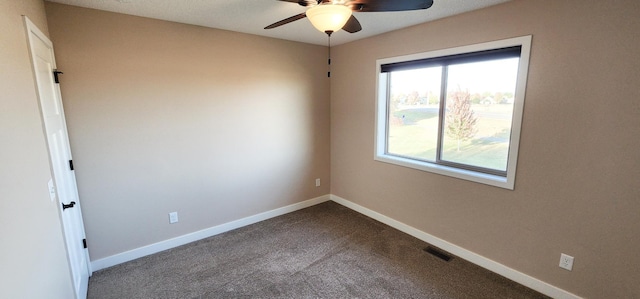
325, 251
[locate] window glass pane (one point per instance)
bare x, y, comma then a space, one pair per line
479, 108
413, 113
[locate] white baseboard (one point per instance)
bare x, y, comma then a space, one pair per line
199, 235
472, 257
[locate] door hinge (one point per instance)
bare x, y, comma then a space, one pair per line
71, 164
84, 243
55, 75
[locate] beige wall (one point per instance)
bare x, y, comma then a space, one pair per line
577, 189
170, 117
33, 262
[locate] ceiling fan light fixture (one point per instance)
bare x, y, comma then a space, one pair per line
329, 17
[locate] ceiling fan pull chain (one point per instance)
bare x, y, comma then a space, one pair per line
329, 59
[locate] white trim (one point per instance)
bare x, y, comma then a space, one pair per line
507, 182
465, 254
199, 235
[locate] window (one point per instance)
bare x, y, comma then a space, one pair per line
455, 112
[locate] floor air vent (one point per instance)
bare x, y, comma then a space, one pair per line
445, 256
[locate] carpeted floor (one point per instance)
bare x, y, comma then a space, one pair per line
325, 251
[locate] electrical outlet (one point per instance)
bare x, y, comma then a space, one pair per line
566, 261
317, 182
173, 217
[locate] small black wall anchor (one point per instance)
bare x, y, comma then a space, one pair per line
70, 205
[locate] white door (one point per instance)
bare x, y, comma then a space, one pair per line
60, 157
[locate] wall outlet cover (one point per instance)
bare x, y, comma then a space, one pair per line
566, 262
173, 217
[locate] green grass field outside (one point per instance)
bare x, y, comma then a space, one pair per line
413, 132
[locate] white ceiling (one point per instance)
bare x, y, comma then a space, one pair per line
251, 16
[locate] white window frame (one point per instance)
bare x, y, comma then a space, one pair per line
381, 128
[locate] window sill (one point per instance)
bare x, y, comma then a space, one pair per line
478, 177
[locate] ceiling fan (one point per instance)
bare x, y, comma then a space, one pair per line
329, 16
332, 15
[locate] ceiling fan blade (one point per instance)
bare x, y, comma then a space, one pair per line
388, 5
302, 2
352, 25
287, 21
